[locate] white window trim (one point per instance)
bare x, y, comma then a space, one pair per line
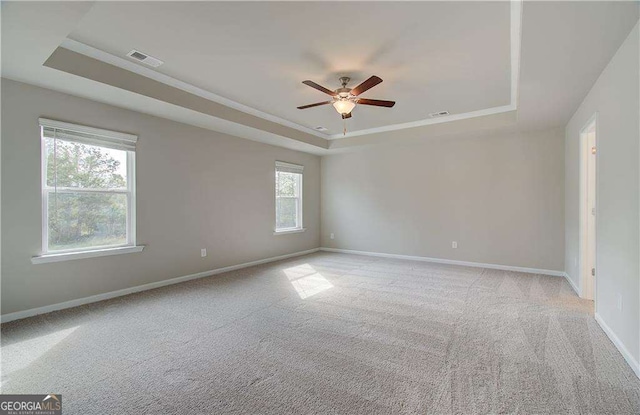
289, 230
67, 256
47, 256
289, 167
108, 134
297, 169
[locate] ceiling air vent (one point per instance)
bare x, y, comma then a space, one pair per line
438, 114
144, 58
321, 128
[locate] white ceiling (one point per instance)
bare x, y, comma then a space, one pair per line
565, 47
432, 56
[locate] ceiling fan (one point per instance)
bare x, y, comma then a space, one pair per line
345, 99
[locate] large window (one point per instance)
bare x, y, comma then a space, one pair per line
88, 188
288, 197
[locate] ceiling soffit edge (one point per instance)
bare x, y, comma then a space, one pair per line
515, 43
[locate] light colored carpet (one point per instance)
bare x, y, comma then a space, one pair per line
328, 333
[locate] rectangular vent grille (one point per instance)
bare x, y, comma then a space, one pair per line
139, 56
144, 58
438, 114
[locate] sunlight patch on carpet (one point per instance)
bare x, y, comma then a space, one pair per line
306, 280
22, 354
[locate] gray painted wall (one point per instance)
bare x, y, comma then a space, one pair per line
500, 196
195, 189
615, 97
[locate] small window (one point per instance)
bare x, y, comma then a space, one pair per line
88, 188
288, 197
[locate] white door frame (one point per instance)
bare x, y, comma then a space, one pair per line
587, 281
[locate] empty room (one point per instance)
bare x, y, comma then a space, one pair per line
355, 207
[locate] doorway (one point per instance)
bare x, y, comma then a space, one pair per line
588, 211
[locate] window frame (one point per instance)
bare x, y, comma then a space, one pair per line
47, 255
284, 167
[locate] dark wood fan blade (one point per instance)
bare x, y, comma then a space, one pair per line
320, 88
366, 85
376, 102
314, 105
345, 116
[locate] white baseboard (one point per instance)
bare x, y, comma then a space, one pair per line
105, 296
616, 341
571, 283
450, 262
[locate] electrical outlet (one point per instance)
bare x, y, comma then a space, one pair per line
332, 236
203, 252
619, 302
454, 244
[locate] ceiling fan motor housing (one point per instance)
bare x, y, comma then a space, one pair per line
343, 92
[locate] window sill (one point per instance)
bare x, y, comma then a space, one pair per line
68, 256
287, 231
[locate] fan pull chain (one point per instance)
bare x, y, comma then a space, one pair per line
344, 129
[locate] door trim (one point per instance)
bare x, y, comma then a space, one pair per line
587, 290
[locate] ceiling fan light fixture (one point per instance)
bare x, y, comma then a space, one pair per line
344, 106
